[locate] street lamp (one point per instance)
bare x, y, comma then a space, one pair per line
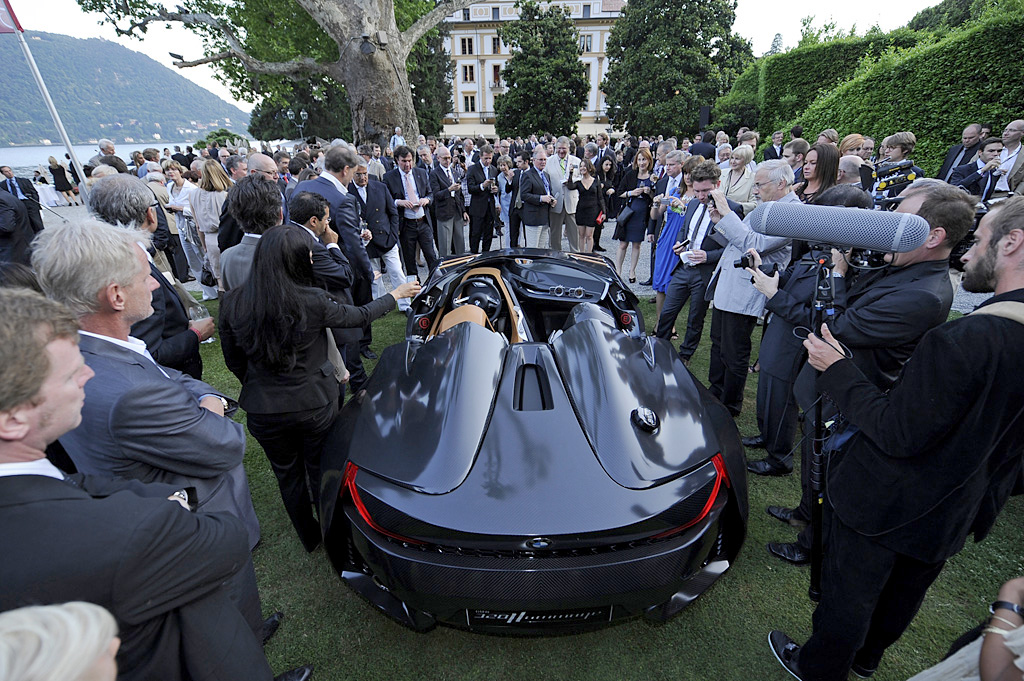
301, 123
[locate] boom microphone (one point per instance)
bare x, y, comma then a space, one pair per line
841, 227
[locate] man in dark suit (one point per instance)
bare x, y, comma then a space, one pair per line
919, 476
15, 231
703, 148
515, 206
960, 154
774, 150
698, 252
884, 316
482, 179
410, 190
166, 574
256, 206
535, 188
170, 336
980, 177
671, 178
449, 204
331, 269
21, 188
230, 232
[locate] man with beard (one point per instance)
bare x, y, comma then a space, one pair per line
923, 465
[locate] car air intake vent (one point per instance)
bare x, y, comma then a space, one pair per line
532, 389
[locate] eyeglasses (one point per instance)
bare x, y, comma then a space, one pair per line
274, 174
762, 184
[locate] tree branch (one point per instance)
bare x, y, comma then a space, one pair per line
295, 68
429, 20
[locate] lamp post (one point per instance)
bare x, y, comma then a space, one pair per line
301, 123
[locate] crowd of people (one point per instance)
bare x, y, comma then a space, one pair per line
119, 464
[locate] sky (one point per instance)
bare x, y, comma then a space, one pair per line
756, 20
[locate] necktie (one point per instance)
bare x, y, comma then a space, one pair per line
696, 227
563, 165
14, 188
410, 189
544, 178
519, 193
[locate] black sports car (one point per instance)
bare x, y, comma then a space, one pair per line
529, 461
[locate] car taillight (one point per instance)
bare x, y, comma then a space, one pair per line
721, 475
348, 484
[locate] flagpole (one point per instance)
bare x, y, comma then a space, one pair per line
53, 113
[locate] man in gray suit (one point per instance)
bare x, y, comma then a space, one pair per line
563, 168
256, 205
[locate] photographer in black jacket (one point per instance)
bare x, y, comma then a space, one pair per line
926, 464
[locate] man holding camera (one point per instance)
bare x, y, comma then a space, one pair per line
927, 463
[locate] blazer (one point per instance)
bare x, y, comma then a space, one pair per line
970, 154
481, 200
311, 382
771, 154
159, 569
565, 198
15, 231
236, 262
710, 244
513, 189
166, 331
1016, 173
703, 149
447, 206
35, 217
535, 213
393, 181
743, 192
379, 214
144, 422
970, 178
345, 221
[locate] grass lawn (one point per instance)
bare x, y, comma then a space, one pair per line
722, 636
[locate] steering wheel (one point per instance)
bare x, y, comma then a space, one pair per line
482, 292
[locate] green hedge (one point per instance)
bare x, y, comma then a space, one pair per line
740, 106
933, 90
789, 82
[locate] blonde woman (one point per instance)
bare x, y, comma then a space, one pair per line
61, 182
738, 180
74, 641
207, 203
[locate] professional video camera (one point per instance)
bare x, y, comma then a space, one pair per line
886, 175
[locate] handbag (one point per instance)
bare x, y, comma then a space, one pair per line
626, 212
600, 218
207, 278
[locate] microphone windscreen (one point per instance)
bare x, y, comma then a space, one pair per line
841, 227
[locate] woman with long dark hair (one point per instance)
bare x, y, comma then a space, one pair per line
821, 171
274, 334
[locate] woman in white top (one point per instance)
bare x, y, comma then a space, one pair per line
738, 180
207, 203
179, 190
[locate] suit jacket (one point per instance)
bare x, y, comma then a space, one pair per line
513, 189
35, 217
565, 198
375, 168
447, 206
949, 164
702, 149
534, 211
345, 221
969, 177
236, 262
710, 244
166, 331
379, 214
1016, 173
15, 231
393, 181
159, 569
144, 423
229, 233
481, 200
771, 153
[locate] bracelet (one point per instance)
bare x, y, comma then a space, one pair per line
995, 630
197, 332
1005, 621
1006, 605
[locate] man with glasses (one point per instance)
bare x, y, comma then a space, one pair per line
230, 232
1011, 167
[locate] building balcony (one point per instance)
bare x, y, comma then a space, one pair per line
498, 86
486, 116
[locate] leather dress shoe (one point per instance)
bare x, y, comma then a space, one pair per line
860, 672
270, 626
786, 515
647, 282
297, 674
791, 553
762, 467
598, 249
753, 442
785, 651
367, 353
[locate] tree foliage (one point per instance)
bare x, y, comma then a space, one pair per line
430, 74
667, 58
323, 100
946, 15
741, 105
547, 82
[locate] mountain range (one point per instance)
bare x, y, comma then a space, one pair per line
102, 89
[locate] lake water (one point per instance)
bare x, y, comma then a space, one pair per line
25, 160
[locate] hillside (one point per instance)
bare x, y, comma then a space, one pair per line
102, 89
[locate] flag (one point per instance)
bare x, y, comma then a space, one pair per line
8, 22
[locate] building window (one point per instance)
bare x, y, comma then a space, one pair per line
467, 46
495, 45
469, 103
586, 11
495, 14
465, 14
586, 43
468, 74
496, 72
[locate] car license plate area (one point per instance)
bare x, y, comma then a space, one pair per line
537, 619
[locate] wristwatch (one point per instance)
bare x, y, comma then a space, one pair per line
1006, 605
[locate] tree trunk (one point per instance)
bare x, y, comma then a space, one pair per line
379, 94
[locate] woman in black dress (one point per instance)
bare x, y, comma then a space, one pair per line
273, 332
636, 192
608, 174
60, 181
590, 204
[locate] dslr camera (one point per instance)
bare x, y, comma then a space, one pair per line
747, 260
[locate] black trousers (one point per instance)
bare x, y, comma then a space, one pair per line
293, 442
654, 244
515, 222
481, 230
730, 356
869, 596
776, 418
413, 233
687, 284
